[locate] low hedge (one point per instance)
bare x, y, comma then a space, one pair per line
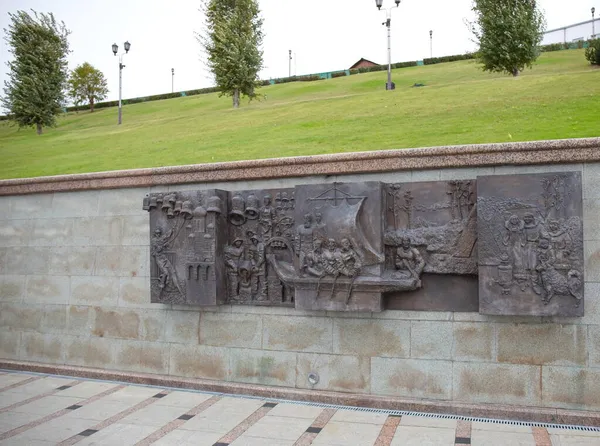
156, 97
444, 59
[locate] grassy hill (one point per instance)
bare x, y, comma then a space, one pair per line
558, 98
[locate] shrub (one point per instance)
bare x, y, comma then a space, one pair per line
338, 74
444, 59
592, 53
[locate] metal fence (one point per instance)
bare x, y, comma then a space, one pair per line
589, 29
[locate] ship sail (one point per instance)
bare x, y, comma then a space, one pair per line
345, 216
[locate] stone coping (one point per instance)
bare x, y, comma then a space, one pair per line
495, 411
475, 155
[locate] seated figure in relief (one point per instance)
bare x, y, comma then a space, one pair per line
409, 259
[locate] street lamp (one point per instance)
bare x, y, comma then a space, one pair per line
115, 50
290, 63
172, 80
593, 24
389, 85
431, 43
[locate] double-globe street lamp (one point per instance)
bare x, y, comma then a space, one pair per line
115, 49
389, 85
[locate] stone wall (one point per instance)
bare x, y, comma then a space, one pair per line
74, 289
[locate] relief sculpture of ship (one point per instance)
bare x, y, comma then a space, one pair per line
338, 252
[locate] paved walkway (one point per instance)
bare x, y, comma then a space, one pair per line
38, 409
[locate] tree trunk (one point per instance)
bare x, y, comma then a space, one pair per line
236, 98
515, 72
91, 105
39, 128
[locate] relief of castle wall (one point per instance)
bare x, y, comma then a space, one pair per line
348, 246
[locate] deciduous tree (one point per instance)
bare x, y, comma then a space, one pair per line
232, 42
87, 85
34, 91
508, 32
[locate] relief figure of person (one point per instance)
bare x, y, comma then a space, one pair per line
532, 232
267, 216
313, 262
158, 247
332, 259
233, 255
514, 238
304, 238
409, 259
259, 276
560, 241
351, 262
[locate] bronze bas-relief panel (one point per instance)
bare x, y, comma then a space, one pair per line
531, 244
369, 246
187, 238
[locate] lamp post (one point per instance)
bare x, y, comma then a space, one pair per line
290, 63
431, 43
593, 24
172, 80
115, 49
389, 85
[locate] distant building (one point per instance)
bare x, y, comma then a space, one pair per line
573, 33
362, 63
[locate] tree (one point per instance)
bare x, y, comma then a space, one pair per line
34, 91
508, 32
87, 84
232, 42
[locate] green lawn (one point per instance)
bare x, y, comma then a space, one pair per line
558, 98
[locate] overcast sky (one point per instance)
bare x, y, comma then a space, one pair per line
323, 35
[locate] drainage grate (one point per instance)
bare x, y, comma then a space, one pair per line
396, 413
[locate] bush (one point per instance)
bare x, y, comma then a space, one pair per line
444, 59
156, 97
412, 63
552, 47
592, 53
338, 74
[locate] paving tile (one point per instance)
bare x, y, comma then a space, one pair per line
178, 437
47, 405
342, 434
279, 428
184, 400
355, 416
12, 378
493, 438
154, 415
55, 430
497, 427
41, 386
221, 418
102, 409
200, 438
133, 394
118, 434
30, 442
295, 411
10, 420
257, 441
87, 389
575, 440
411, 420
419, 435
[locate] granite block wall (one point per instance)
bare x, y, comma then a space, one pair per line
74, 289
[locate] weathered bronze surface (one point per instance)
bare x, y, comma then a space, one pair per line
188, 233
530, 244
344, 246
